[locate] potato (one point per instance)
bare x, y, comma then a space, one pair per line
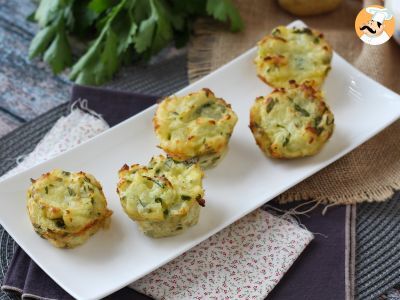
196, 127
67, 208
293, 54
291, 122
304, 8
164, 197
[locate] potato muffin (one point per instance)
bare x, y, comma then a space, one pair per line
67, 208
303, 8
196, 127
293, 54
164, 198
290, 123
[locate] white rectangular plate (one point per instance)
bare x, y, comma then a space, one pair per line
243, 181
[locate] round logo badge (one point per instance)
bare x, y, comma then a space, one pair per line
374, 25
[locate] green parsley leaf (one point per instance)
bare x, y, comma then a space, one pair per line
100, 6
271, 105
53, 16
301, 110
116, 32
83, 20
49, 10
101, 61
224, 10
145, 35
41, 41
287, 139
58, 55
71, 192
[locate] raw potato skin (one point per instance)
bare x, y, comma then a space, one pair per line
164, 198
303, 8
288, 55
196, 127
290, 123
67, 208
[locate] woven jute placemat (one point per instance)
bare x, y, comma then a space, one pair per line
370, 172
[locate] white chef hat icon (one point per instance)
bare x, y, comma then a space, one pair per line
379, 14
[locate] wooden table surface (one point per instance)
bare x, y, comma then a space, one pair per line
27, 88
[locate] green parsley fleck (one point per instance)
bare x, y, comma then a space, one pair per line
271, 105
317, 120
319, 130
215, 159
329, 122
71, 192
301, 110
155, 181
304, 30
276, 32
287, 139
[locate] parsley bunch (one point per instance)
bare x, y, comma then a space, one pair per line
116, 32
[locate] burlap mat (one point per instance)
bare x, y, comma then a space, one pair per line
369, 173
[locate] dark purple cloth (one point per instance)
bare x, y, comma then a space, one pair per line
114, 106
319, 273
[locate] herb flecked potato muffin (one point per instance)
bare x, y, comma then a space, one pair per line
303, 8
195, 127
289, 54
293, 122
164, 198
67, 208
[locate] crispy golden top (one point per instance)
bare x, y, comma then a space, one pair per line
293, 54
64, 202
292, 122
165, 189
194, 125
